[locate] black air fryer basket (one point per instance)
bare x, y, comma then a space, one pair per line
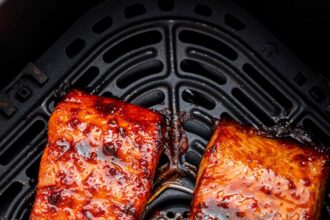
207, 58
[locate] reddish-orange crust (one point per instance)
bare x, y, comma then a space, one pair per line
100, 159
244, 175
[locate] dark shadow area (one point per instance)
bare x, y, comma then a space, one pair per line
302, 25
28, 28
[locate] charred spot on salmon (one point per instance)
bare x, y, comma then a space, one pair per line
291, 184
54, 198
240, 214
93, 156
113, 122
112, 171
302, 159
307, 181
105, 108
109, 149
295, 195
266, 190
224, 204
254, 205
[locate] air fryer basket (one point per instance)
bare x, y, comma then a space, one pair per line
207, 58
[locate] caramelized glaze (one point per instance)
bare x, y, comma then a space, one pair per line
100, 159
244, 175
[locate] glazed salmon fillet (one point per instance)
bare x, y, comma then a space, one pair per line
246, 175
100, 159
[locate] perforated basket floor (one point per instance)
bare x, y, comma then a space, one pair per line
207, 58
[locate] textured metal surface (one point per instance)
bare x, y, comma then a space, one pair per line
207, 58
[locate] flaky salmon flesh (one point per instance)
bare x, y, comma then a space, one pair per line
100, 159
246, 175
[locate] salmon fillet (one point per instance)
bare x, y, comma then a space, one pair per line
246, 175
100, 159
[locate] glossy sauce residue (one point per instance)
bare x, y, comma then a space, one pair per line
247, 176
100, 159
